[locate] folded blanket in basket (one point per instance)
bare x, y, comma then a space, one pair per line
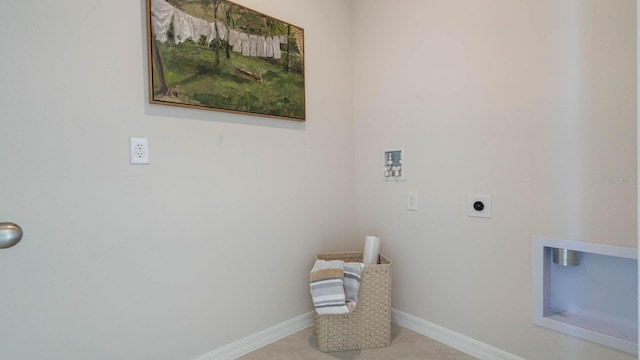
352, 272
334, 286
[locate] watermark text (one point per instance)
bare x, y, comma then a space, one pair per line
620, 180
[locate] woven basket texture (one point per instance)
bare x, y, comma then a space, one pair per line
369, 325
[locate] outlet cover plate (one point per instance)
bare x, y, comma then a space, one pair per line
412, 200
139, 150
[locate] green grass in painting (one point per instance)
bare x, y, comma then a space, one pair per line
193, 78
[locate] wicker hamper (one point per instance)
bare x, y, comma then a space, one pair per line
369, 325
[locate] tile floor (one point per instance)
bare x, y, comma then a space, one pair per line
405, 345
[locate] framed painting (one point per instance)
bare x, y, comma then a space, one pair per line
219, 55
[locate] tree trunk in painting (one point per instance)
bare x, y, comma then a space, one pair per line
227, 11
157, 61
217, 43
287, 61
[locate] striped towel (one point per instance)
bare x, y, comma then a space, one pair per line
334, 286
352, 272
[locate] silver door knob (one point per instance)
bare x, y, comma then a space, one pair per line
10, 234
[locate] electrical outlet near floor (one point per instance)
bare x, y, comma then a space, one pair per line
139, 150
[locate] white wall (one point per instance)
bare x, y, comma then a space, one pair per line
211, 242
533, 102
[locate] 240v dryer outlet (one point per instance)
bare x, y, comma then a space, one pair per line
479, 206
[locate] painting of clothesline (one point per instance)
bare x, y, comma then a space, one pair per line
219, 55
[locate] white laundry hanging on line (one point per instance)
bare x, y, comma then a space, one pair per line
222, 31
246, 46
187, 27
276, 47
269, 46
161, 16
253, 42
262, 47
234, 40
203, 28
183, 26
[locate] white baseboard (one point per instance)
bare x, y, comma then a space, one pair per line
455, 340
260, 339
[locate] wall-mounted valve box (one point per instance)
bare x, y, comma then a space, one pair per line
394, 164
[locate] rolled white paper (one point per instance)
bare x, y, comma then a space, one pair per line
371, 250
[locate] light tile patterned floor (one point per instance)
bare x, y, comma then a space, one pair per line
405, 345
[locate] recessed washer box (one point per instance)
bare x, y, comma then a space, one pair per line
596, 300
394, 164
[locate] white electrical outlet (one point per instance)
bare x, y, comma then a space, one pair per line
139, 150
